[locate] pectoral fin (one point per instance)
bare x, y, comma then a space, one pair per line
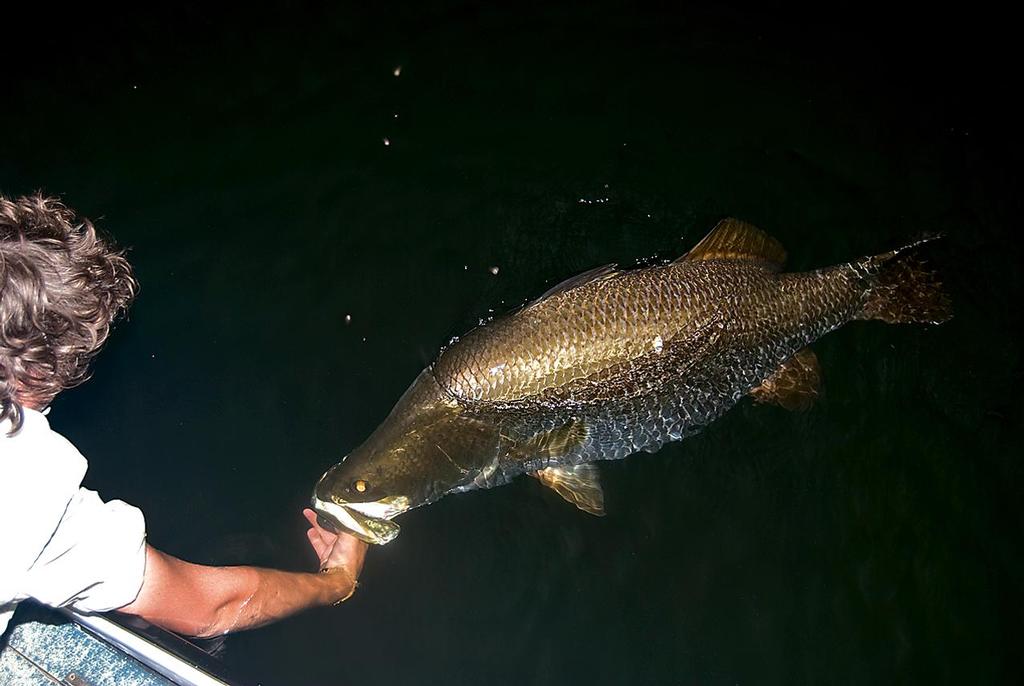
556, 443
795, 385
580, 485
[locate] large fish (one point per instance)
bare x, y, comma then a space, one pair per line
614, 362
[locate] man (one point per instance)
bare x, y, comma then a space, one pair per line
61, 288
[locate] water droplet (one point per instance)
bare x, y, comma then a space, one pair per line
387, 141
494, 270
397, 71
348, 319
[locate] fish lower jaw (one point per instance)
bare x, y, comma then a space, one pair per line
366, 526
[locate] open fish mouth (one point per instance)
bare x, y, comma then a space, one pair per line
369, 522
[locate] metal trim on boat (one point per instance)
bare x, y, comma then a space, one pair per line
147, 651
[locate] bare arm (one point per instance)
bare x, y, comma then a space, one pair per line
198, 600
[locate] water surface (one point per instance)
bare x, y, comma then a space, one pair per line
309, 229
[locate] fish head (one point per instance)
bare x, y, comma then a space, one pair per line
376, 483
415, 456
363, 506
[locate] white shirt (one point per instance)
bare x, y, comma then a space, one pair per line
59, 543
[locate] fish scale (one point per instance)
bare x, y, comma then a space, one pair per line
611, 363
768, 317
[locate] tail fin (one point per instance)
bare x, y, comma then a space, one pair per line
902, 289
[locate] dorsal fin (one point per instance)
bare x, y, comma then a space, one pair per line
596, 274
732, 239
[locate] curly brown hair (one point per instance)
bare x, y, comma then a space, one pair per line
61, 287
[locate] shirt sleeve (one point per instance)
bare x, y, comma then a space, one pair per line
96, 559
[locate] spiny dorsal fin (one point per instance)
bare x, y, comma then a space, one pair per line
795, 385
596, 274
579, 485
732, 239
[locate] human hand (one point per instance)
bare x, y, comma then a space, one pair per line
335, 549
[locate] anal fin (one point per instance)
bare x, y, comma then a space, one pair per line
579, 485
795, 385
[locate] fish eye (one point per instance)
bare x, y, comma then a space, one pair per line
360, 485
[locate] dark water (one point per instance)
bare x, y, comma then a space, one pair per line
875, 539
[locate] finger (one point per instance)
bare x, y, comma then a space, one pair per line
321, 545
315, 543
327, 536
314, 538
